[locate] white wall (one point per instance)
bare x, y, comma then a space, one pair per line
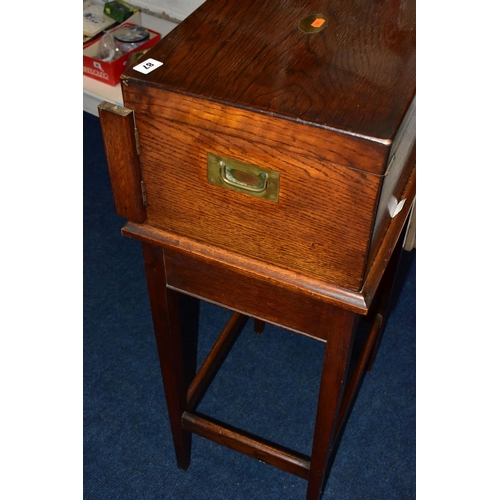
176, 9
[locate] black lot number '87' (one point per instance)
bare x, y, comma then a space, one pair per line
147, 66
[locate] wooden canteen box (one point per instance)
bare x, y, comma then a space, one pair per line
272, 141
332, 113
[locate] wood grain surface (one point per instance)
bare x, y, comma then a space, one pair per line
117, 125
322, 223
357, 75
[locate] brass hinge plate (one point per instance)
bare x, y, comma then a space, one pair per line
114, 108
143, 192
137, 145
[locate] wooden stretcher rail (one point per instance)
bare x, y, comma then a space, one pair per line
214, 360
247, 444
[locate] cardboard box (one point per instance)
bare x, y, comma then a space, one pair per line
110, 72
94, 18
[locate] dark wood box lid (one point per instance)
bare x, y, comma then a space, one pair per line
356, 75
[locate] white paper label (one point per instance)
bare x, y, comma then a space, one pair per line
147, 66
395, 207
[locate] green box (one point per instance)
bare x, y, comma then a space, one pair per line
119, 11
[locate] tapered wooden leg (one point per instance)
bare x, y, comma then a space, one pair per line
258, 326
333, 380
382, 302
167, 325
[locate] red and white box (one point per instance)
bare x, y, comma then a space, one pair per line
110, 72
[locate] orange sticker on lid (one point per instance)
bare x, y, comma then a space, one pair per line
317, 23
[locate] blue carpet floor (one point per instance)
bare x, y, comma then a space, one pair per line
268, 385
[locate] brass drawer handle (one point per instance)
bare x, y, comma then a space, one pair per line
243, 177
249, 181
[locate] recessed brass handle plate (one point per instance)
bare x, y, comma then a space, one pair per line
243, 177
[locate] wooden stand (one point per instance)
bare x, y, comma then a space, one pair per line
171, 269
